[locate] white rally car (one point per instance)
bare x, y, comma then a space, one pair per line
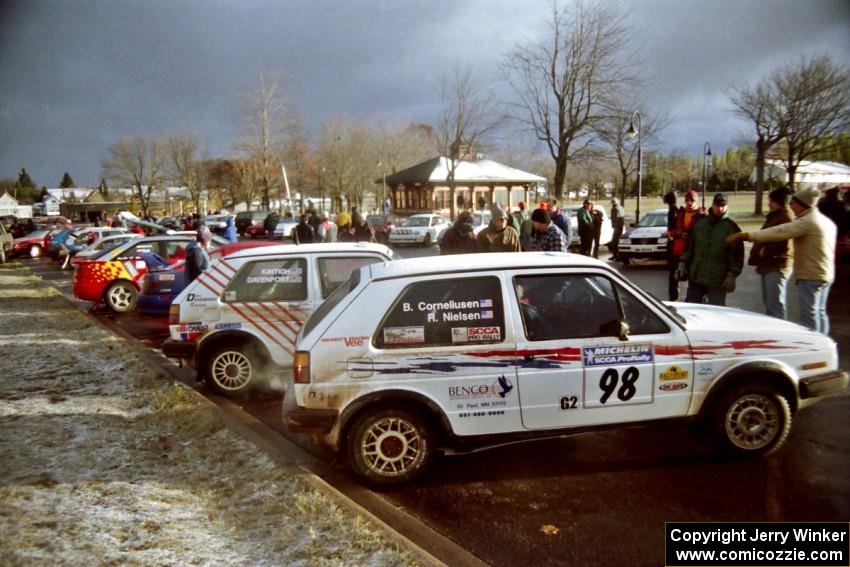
458, 352
424, 229
646, 239
236, 323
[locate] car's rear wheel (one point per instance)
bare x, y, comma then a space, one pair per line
390, 447
751, 420
121, 296
232, 370
35, 251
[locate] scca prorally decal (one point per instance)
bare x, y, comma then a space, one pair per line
615, 355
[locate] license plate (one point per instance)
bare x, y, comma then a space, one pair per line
642, 249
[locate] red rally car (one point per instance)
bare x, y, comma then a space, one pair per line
115, 276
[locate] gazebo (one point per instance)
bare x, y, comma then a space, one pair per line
424, 188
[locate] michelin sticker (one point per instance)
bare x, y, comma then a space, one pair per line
615, 355
476, 334
404, 335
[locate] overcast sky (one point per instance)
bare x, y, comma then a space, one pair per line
76, 75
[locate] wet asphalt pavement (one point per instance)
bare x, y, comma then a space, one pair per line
603, 498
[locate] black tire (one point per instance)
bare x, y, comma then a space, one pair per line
121, 296
35, 251
390, 447
232, 369
426, 242
625, 260
751, 420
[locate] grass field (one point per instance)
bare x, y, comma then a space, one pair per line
741, 207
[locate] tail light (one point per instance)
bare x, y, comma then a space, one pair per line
301, 367
173, 314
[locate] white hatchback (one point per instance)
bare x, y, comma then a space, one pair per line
460, 352
424, 229
236, 323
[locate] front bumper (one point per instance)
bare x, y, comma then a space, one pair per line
307, 420
179, 349
823, 384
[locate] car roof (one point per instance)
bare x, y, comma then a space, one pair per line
657, 212
480, 262
424, 215
279, 249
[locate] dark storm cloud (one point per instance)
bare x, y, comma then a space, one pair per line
77, 76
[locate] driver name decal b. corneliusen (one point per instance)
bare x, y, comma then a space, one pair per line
613, 355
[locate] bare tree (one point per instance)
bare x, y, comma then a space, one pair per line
269, 113
612, 131
814, 97
564, 83
468, 118
136, 163
185, 166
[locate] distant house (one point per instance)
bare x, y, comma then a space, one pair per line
810, 173
423, 188
9, 207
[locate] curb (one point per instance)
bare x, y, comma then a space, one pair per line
351, 497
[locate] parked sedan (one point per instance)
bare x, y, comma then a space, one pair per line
285, 228
246, 219
31, 245
383, 225
424, 229
94, 250
646, 239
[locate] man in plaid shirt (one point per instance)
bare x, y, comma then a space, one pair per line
545, 235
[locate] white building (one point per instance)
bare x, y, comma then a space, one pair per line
820, 174
9, 206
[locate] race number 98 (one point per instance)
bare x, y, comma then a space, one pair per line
617, 385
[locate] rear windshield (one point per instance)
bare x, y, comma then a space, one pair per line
332, 301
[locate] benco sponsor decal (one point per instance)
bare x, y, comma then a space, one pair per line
475, 334
673, 386
674, 373
502, 387
615, 355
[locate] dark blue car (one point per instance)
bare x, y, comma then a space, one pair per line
162, 284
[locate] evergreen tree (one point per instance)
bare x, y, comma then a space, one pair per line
24, 179
66, 182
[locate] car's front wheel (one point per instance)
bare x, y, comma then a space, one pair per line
390, 447
121, 296
751, 420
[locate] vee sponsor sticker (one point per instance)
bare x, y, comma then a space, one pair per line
476, 334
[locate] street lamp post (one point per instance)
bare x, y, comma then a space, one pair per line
706, 153
632, 132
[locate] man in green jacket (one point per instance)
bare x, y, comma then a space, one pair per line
709, 264
585, 227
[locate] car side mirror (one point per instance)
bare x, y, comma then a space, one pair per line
617, 328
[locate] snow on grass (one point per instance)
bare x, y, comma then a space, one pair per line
104, 462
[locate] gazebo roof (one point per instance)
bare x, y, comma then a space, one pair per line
484, 171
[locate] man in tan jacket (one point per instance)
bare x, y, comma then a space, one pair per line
814, 255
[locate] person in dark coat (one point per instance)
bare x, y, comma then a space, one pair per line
618, 221
772, 260
363, 231
585, 227
304, 233
197, 254
459, 238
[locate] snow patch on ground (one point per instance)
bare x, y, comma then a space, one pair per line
103, 461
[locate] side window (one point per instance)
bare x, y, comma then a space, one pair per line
566, 306
175, 250
443, 313
269, 280
334, 271
641, 319
134, 251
